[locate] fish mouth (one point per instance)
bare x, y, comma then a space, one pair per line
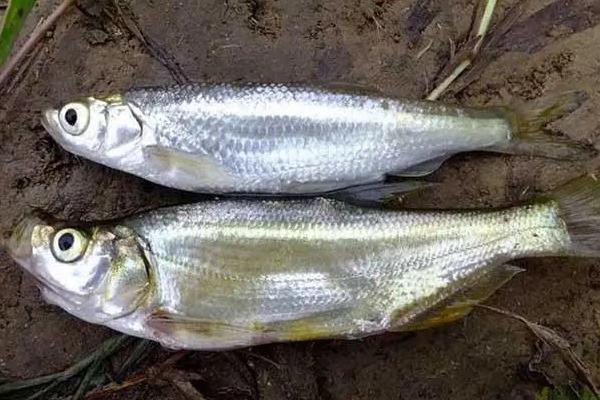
20, 247
50, 122
19, 244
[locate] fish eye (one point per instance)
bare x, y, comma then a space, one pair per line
74, 118
69, 245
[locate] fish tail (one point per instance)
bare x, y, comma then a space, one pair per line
579, 204
530, 135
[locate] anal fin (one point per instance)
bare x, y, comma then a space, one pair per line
463, 302
422, 169
376, 194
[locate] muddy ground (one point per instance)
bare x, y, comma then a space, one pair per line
553, 46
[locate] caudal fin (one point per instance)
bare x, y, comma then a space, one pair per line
579, 203
529, 128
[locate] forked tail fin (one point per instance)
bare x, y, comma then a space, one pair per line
529, 123
579, 203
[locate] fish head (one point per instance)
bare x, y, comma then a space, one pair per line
97, 274
100, 129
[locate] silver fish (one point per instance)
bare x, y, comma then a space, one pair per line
220, 275
279, 139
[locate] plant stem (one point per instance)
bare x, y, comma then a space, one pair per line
33, 39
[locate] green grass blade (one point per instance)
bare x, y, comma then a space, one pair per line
11, 26
141, 350
565, 392
105, 350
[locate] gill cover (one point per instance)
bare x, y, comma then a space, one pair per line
95, 128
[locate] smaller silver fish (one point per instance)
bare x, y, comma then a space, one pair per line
278, 139
225, 274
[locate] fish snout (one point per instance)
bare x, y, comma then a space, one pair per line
20, 241
50, 122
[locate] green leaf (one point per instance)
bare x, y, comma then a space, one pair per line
565, 392
544, 394
12, 24
588, 395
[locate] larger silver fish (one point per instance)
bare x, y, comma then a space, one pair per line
290, 140
218, 275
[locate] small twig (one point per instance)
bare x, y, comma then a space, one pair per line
424, 50
265, 359
441, 88
490, 51
32, 40
23, 69
111, 388
484, 24
127, 19
187, 389
531, 370
554, 340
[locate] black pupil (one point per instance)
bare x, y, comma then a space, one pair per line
71, 117
65, 241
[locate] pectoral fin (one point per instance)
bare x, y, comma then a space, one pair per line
422, 169
168, 323
189, 330
189, 171
175, 331
463, 302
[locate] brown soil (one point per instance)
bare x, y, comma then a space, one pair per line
374, 43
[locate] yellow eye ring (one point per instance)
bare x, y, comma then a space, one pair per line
68, 245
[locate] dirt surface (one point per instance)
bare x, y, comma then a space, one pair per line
552, 47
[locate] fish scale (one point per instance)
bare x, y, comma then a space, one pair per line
277, 137
229, 273
280, 139
236, 253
